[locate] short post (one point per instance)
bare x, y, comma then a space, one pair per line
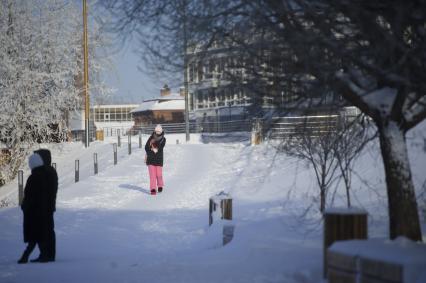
343, 224
256, 132
77, 170
140, 139
224, 201
177, 141
54, 165
114, 147
118, 138
20, 186
130, 143
95, 163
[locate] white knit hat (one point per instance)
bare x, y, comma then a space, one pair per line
35, 161
158, 129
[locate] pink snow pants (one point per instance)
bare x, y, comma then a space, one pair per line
155, 176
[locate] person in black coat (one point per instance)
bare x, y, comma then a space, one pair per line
154, 159
50, 196
34, 209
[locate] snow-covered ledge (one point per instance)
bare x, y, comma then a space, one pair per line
378, 260
345, 210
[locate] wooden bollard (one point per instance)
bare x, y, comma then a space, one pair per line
129, 144
20, 186
177, 141
95, 163
118, 138
343, 224
140, 139
114, 148
77, 170
223, 201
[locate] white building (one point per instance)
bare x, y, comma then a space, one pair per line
114, 116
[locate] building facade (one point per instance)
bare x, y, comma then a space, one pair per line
113, 116
223, 86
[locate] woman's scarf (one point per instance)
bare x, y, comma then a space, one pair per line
157, 138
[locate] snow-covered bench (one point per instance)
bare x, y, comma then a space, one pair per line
377, 261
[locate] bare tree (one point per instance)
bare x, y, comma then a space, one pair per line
372, 53
351, 138
382, 72
316, 144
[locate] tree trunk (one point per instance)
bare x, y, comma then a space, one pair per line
322, 198
402, 204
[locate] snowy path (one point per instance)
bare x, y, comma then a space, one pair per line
109, 229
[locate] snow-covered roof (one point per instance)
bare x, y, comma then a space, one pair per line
115, 106
169, 102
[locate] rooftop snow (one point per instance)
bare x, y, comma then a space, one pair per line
170, 102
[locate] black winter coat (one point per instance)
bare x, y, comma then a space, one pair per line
35, 206
153, 158
52, 178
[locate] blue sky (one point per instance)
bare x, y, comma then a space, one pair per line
131, 84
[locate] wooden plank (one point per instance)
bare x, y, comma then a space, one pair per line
342, 261
338, 276
342, 226
226, 206
386, 271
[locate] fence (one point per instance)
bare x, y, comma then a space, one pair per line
80, 135
282, 127
194, 127
274, 128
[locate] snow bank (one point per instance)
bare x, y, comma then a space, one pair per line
110, 229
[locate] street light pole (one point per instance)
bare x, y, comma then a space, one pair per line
185, 73
86, 76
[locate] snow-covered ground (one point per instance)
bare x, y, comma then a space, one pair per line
109, 229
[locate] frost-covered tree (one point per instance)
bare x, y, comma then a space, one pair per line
40, 55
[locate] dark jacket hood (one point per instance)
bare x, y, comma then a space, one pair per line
45, 155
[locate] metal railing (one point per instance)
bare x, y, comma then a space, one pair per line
199, 127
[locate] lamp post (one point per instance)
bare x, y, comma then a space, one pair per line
185, 73
86, 76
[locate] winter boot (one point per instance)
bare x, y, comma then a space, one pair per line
24, 258
160, 189
27, 252
153, 192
